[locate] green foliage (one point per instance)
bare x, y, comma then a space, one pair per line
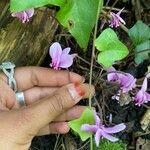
110, 47
20, 5
79, 17
87, 117
108, 145
139, 33
140, 36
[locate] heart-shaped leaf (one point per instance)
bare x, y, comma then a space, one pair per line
87, 117
79, 17
139, 33
20, 5
110, 47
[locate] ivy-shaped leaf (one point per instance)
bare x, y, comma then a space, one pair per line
87, 117
79, 17
110, 47
140, 36
139, 33
20, 5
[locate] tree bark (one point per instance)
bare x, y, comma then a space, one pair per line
25, 44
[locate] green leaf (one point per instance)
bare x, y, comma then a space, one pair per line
142, 52
79, 17
20, 5
87, 117
110, 47
139, 33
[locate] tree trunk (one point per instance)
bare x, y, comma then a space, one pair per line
25, 44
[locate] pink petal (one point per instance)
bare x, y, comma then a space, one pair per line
19, 15
111, 69
139, 98
121, 20
97, 137
97, 119
120, 11
112, 77
55, 52
66, 50
25, 17
109, 137
30, 12
87, 127
66, 61
115, 129
148, 75
144, 85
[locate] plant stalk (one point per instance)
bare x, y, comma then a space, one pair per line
92, 62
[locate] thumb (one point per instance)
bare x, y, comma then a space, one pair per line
46, 110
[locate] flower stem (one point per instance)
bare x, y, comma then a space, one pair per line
93, 49
92, 60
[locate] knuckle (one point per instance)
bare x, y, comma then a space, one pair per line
34, 78
60, 102
57, 103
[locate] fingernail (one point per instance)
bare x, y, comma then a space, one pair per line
83, 79
76, 91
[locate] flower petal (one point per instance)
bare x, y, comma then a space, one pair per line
66, 61
112, 77
66, 50
144, 85
111, 69
97, 137
115, 129
30, 12
148, 75
97, 119
139, 98
109, 137
19, 15
88, 127
55, 52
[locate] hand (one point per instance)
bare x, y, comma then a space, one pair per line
50, 97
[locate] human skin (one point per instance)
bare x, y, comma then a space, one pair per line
51, 99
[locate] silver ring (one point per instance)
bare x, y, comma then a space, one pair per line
8, 69
20, 98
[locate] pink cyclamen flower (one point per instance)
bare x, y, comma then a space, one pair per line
101, 131
126, 81
24, 16
142, 96
60, 58
116, 20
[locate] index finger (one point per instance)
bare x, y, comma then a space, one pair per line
28, 77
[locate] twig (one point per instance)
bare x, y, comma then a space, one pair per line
55, 147
116, 9
86, 61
